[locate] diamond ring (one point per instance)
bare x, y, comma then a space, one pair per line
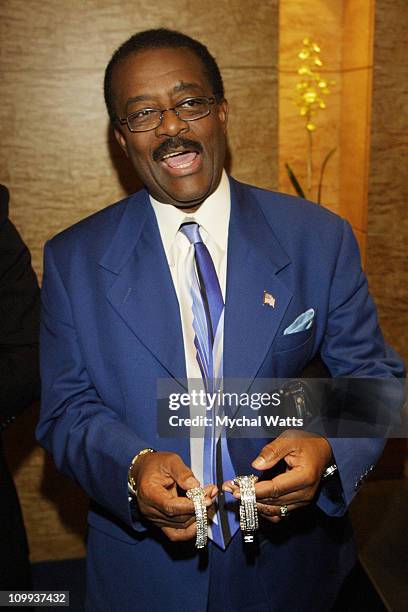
284, 511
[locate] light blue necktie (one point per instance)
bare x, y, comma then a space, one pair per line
208, 340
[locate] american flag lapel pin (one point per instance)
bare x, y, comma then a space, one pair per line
268, 299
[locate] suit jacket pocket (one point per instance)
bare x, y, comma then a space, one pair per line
289, 355
294, 341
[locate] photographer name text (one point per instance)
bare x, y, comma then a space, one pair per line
235, 423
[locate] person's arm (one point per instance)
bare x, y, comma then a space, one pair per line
19, 321
353, 346
87, 438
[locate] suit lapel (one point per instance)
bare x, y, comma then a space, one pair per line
143, 293
254, 259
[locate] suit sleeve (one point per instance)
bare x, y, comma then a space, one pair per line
87, 439
354, 346
19, 325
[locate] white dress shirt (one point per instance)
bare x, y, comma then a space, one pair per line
213, 219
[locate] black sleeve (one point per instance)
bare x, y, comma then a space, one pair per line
19, 321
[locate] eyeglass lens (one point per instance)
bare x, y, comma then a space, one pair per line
188, 110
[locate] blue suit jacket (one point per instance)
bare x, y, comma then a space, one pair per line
111, 327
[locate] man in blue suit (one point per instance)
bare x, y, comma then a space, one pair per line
117, 318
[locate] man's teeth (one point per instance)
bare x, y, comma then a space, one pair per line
174, 154
180, 159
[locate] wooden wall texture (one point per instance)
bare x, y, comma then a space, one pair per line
355, 118
387, 261
60, 163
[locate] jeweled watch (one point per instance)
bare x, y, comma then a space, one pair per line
131, 481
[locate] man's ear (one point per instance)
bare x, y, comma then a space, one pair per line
223, 113
121, 140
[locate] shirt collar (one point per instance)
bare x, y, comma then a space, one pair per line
213, 215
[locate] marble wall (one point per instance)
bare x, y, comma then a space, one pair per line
387, 261
60, 163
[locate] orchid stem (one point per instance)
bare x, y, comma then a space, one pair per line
309, 163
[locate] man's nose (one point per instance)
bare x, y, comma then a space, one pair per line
171, 124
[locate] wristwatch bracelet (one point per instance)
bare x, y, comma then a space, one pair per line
131, 481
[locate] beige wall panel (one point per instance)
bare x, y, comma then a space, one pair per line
388, 192
253, 135
387, 264
389, 156
61, 164
54, 155
81, 34
319, 19
57, 150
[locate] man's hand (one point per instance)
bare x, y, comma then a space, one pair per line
157, 476
306, 457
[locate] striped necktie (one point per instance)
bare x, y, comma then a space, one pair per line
208, 323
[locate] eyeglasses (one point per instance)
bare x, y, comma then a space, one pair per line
147, 119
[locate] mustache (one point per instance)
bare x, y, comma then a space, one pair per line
172, 144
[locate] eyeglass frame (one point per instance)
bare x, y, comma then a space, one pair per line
125, 120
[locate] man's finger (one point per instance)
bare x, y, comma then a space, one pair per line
160, 517
182, 474
289, 482
267, 511
173, 506
305, 495
230, 486
165, 502
272, 514
180, 535
162, 522
272, 453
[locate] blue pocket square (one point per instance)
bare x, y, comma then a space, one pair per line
301, 323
